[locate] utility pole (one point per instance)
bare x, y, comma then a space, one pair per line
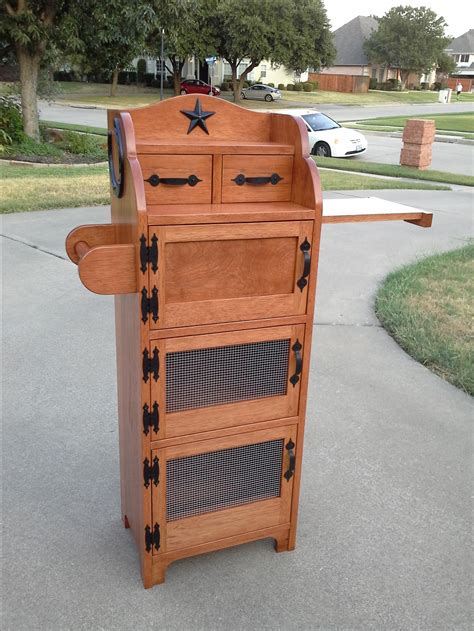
162, 62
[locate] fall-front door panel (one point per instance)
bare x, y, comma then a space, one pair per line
224, 487
209, 382
216, 273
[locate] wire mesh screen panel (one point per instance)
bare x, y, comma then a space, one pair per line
226, 374
222, 479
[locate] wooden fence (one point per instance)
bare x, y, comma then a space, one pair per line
340, 82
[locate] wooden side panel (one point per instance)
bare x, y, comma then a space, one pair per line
177, 167
129, 214
252, 167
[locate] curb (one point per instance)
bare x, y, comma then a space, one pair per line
23, 163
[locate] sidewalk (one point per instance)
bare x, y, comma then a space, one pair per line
384, 515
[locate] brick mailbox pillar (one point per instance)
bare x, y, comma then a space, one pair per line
418, 137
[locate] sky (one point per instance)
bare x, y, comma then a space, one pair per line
458, 15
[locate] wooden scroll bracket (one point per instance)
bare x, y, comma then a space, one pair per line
105, 266
372, 209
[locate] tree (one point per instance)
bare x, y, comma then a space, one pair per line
445, 66
294, 33
188, 30
409, 38
32, 28
113, 33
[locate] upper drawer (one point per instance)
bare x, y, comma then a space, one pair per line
256, 178
177, 179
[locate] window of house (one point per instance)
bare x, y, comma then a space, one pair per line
263, 70
464, 58
160, 66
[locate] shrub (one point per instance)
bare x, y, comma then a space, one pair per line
127, 77
225, 87
63, 75
307, 86
11, 120
290, 87
83, 144
315, 85
271, 85
373, 84
281, 86
246, 84
298, 87
148, 78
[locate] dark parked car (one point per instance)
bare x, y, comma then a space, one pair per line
196, 86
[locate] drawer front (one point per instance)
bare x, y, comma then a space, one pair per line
256, 178
177, 179
222, 380
225, 273
223, 487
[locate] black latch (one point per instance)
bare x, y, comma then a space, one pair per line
151, 473
149, 253
149, 305
151, 419
151, 364
152, 538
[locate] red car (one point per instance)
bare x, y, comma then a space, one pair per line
196, 86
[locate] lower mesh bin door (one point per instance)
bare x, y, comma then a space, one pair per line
224, 487
222, 479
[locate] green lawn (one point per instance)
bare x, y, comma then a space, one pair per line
394, 170
25, 188
463, 122
427, 308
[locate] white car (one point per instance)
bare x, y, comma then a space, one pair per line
328, 138
261, 92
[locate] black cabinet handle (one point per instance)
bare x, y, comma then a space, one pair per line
290, 446
155, 180
296, 348
116, 182
240, 180
305, 248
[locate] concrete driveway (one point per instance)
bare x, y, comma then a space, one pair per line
384, 514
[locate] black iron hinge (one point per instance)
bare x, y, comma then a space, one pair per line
149, 305
151, 419
151, 473
152, 537
149, 253
151, 364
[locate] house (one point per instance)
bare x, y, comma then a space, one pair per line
195, 68
462, 50
351, 59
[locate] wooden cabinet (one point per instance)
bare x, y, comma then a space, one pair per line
212, 256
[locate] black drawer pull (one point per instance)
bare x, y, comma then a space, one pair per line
296, 348
305, 248
240, 180
192, 180
290, 446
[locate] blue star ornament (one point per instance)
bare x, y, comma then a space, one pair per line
197, 117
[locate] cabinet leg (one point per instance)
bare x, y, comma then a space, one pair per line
158, 574
126, 523
282, 544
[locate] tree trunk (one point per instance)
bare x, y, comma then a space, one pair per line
113, 85
404, 74
238, 82
29, 70
177, 68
